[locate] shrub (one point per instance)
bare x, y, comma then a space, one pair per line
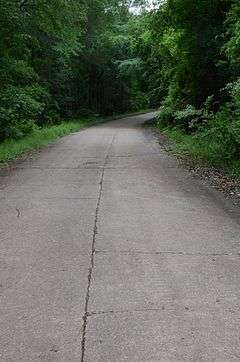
224, 130
189, 118
139, 101
19, 109
18, 72
165, 115
11, 127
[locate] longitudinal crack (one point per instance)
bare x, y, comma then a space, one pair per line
163, 253
95, 231
93, 313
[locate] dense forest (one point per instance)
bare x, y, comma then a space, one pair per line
63, 59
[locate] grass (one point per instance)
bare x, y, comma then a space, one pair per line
201, 150
11, 149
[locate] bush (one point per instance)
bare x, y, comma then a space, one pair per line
234, 90
224, 131
217, 140
224, 128
18, 72
165, 116
19, 109
189, 118
139, 101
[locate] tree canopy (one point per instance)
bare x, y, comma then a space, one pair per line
64, 58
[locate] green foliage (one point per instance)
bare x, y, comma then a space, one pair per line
196, 46
226, 133
189, 118
165, 115
224, 127
61, 58
130, 67
217, 140
232, 46
203, 148
21, 108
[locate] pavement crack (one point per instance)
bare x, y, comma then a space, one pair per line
58, 168
163, 253
48, 198
18, 212
93, 313
91, 267
134, 155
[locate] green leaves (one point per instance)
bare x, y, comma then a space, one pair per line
62, 56
232, 46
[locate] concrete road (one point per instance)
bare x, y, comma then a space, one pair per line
111, 252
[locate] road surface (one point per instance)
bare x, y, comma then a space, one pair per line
109, 251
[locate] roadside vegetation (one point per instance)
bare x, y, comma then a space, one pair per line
38, 138
61, 61
198, 43
65, 60
201, 149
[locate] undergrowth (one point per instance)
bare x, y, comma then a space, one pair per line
201, 149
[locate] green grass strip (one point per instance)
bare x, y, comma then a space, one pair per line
11, 149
